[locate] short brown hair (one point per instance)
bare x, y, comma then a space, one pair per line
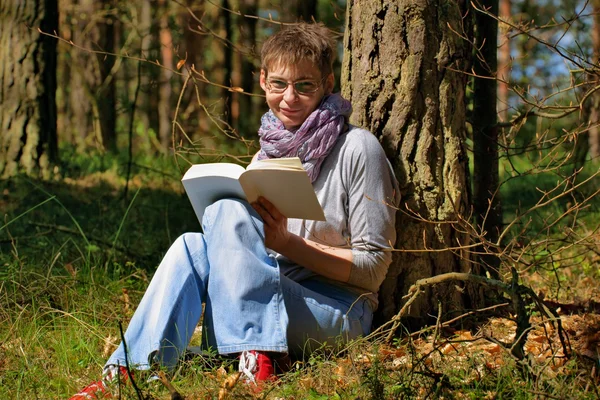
300, 42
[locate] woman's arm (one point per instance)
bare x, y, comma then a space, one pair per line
330, 262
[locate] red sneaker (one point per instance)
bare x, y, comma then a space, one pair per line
257, 366
101, 388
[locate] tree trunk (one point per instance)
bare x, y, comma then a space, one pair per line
486, 196
63, 73
28, 139
193, 46
227, 62
504, 66
106, 93
144, 108
395, 73
594, 131
81, 80
302, 10
165, 90
248, 120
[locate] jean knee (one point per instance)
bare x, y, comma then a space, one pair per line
225, 210
187, 246
187, 241
224, 207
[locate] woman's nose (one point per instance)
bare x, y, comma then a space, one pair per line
290, 94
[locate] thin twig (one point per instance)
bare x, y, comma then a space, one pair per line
131, 121
135, 387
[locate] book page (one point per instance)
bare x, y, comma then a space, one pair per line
291, 163
207, 183
289, 189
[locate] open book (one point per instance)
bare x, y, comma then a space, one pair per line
282, 181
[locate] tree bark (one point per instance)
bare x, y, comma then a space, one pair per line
165, 88
193, 46
504, 66
106, 92
248, 120
144, 110
594, 109
486, 196
28, 140
227, 62
398, 73
81, 98
63, 74
305, 10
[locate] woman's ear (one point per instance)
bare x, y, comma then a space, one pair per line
263, 80
329, 84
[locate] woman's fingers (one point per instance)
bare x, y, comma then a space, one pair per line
275, 224
271, 209
264, 214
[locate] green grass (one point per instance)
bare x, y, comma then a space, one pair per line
76, 256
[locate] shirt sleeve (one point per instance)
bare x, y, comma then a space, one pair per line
373, 197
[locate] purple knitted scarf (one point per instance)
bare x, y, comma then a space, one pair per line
312, 141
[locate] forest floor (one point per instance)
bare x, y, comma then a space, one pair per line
76, 256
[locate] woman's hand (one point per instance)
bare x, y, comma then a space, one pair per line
276, 234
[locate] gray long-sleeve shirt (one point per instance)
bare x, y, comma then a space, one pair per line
358, 192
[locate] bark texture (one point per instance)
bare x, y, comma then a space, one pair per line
304, 10
249, 117
486, 196
27, 86
106, 93
594, 121
84, 115
165, 90
397, 73
92, 89
504, 62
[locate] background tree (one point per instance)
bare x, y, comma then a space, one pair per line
486, 195
165, 87
248, 26
304, 10
398, 73
27, 86
504, 64
105, 93
594, 104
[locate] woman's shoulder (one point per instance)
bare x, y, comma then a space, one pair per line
357, 139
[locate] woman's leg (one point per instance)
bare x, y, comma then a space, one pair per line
322, 313
244, 307
243, 295
249, 301
165, 319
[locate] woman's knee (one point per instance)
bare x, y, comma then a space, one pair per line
184, 250
229, 215
187, 242
224, 208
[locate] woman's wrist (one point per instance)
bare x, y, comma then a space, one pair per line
284, 244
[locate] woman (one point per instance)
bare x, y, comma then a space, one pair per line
278, 286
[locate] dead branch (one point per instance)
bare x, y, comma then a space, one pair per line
453, 320
175, 395
521, 298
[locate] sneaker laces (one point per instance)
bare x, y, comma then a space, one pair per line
248, 365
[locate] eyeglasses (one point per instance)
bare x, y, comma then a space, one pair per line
301, 87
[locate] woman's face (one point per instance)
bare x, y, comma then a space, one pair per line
291, 107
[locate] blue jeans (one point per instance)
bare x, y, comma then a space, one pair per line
249, 304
